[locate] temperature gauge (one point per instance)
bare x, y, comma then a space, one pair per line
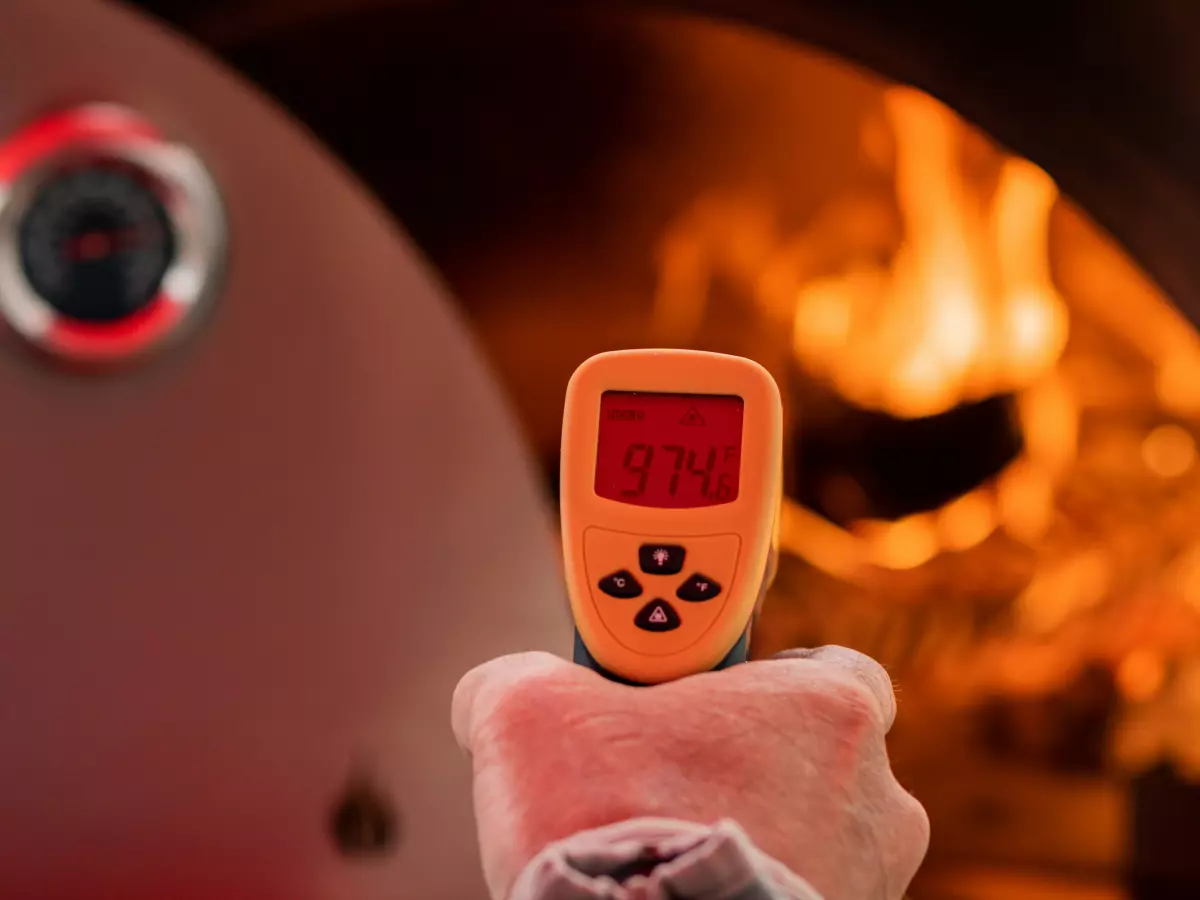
111, 238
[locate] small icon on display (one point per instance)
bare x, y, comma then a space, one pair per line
627, 415
692, 417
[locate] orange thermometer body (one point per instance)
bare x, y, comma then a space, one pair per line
671, 481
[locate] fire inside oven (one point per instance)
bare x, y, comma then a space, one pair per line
992, 478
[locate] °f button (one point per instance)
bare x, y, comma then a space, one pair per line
661, 559
698, 588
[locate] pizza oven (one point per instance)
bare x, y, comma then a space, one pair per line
960, 236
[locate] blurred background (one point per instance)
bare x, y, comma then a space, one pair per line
992, 479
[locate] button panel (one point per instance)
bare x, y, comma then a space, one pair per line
698, 588
621, 585
660, 627
661, 559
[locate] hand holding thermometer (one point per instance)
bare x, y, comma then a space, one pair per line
671, 481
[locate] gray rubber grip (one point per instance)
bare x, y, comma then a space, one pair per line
738, 654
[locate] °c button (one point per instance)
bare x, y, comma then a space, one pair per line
657, 615
621, 584
661, 559
698, 588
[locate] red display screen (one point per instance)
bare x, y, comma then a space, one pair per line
670, 451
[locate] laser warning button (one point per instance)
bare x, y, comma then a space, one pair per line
657, 615
698, 588
661, 559
621, 584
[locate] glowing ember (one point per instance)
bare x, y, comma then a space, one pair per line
967, 521
1169, 451
1141, 675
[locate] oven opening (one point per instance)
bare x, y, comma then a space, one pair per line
992, 479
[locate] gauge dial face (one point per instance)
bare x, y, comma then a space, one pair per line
96, 241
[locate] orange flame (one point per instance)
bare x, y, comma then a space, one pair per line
967, 308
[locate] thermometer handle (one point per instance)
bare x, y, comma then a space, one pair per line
583, 657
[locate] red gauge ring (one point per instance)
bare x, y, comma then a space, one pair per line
190, 244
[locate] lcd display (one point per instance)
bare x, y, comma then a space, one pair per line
670, 451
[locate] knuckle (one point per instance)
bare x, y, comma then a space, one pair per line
860, 683
528, 698
850, 706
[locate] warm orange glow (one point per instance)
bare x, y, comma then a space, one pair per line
967, 307
683, 276
1107, 287
1169, 451
826, 546
903, 544
1188, 684
1178, 381
1060, 590
1033, 317
1164, 723
1141, 675
1187, 575
1050, 423
1026, 494
967, 522
951, 300
825, 318
916, 278
718, 234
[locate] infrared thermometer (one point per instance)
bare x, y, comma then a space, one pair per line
671, 481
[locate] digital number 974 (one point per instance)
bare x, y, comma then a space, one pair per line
639, 462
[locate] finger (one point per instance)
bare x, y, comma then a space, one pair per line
866, 670
481, 688
903, 836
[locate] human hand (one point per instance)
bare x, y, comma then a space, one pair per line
791, 748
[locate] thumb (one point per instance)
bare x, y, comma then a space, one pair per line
482, 688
